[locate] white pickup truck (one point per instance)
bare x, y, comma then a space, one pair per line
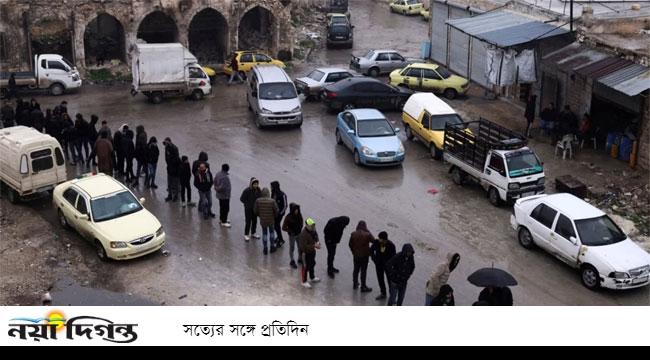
494, 156
51, 72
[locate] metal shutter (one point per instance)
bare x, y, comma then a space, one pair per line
479, 62
458, 45
439, 33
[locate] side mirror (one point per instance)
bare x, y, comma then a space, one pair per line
142, 200
351, 132
397, 130
573, 240
254, 94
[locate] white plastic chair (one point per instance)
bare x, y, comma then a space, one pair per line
566, 146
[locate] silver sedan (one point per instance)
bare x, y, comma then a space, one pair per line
377, 62
312, 85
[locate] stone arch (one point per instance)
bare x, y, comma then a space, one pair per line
104, 39
258, 29
208, 36
158, 27
51, 35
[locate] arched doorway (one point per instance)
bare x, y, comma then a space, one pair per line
158, 27
103, 40
256, 30
208, 36
51, 36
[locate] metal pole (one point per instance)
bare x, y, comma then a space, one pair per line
571, 16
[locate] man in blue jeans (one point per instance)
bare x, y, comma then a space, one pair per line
398, 270
267, 210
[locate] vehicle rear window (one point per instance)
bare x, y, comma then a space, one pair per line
544, 215
444, 73
59, 157
438, 122
41, 160
316, 75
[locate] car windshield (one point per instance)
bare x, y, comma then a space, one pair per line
522, 163
438, 122
599, 231
114, 206
277, 91
370, 54
339, 20
444, 73
316, 75
374, 128
67, 62
412, 2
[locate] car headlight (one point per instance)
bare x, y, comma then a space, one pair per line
75, 77
400, 150
541, 181
266, 111
296, 109
159, 232
118, 245
619, 275
513, 186
367, 151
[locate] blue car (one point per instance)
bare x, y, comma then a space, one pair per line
372, 139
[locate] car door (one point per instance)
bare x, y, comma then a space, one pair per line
412, 78
381, 96
82, 224
57, 71
246, 62
362, 94
383, 62
349, 123
431, 81
540, 224
423, 128
495, 172
397, 61
561, 243
67, 205
331, 79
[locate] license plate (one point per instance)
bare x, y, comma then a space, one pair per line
640, 280
526, 194
385, 159
281, 122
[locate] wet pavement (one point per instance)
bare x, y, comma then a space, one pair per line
208, 264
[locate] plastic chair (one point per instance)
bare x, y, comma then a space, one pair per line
566, 146
592, 139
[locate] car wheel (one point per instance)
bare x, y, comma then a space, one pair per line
457, 176
62, 220
409, 133
197, 95
56, 89
12, 195
435, 152
100, 251
450, 94
357, 158
258, 123
590, 277
374, 72
525, 238
493, 196
348, 106
338, 137
156, 98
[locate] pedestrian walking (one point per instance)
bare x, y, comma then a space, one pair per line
360, 241
203, 182
81, 128
248, 198
222, 188
529, 113
185, 176
234, 65
333, 232
308, 244
440, 276
267, 210
280, 199
399, 269
173, 161
381, 251
152, 162
293, 226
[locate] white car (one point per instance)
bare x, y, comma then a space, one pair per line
583, 237
312, 85
105, 212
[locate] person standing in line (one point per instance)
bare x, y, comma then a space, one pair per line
280, 199
222, 189
360, 241
184, 176
440, 276
381, 251
173, 161
119, 152
248, 198
333, 232
203, 182
267, 210
152, 162
12, 86
140, 153
293, 226
308, 244
128, 147
399, 269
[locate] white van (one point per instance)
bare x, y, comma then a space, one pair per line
272, 97
30, 162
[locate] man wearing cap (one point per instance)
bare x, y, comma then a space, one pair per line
307, 244
248, 197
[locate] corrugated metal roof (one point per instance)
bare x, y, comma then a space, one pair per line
631, 80
574, 56
504, 28
603, 67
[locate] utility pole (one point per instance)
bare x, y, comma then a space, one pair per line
571, 16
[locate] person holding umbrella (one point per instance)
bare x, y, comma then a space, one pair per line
495, 282
496, 296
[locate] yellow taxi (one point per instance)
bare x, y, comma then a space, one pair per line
407, 7
106, 213
247, 59
430, 77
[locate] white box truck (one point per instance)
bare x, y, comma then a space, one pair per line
165, 70
31, 162
51, 72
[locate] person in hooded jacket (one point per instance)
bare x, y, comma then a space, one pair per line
440, 276
281, 200
293, 226
81, 127
496, 296
119, 152
173, 160
185, 176
203, 182
153, 153
360, 241
398, 270
69, 135
140, 153
445, 297
381, 251
8, 115
333, 232
267, 210
308, 244
223, 189
203, 159
36, 116
248, 198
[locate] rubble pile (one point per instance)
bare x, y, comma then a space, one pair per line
310, 28
631, 202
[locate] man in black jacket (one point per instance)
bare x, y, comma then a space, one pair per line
281, 200
381, 252
173, 161
399, 269
248, 198
203, 182
333, 232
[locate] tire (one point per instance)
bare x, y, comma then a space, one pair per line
373, 72
339, 141
63, 221
435, 152
299, 125
12, 195
258, 124
493, 196
57, 89
197, 95
450, 94
590, 277
409, 133
457, 176
156, 98
525, 238
348, 107
357, 158
100, 251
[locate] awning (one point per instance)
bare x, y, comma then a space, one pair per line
505, 29
574, 57
631, 80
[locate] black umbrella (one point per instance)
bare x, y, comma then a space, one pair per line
491, 277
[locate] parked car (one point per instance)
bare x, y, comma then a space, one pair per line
377, 62
338, 6
312, 85
361, 92
272, 97
371, 138
248, 59
430, 77
340, 34
584, 237
425, 14
425, 117
107, 213
51, 72
336, 18
407, 7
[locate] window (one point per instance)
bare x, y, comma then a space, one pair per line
316, 75
439, 122
396, 57
262, 58
496, 163
333, 77
564, 228
377, 88
375, 128
383, 57
246, 58
599, 231
523, 163
430, 74
114, 206
444, 73
345, 75
196, 73
277, 91
426, 120
544, 215
56, 65
59, 156
70, 195
81, 205
414, 72
41, 160
349, 120
370, 54
44, 64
